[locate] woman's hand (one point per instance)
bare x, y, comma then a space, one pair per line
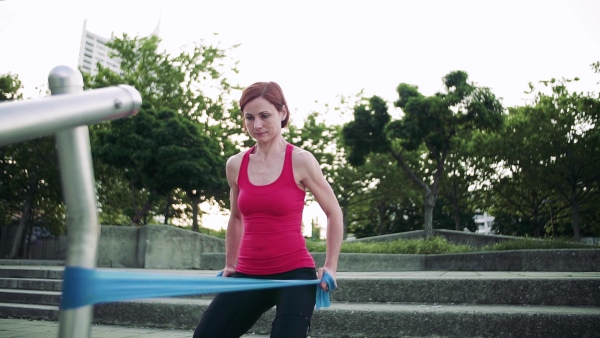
321, 273
228, 271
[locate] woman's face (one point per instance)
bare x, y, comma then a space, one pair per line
262, 119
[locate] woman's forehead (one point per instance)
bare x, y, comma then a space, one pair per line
259, 105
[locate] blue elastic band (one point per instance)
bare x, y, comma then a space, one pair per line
83, 286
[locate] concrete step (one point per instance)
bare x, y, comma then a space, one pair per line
31, 284
32, 262
26, 271
358, 319
30, 296
471, 288
380, 320
29, 311
520, 288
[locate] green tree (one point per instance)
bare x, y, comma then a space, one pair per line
193, 84
429, 126
325, 142
457, 183
10, 87
29, 186
550, 148
160, 152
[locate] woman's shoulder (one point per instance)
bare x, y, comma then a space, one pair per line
236, 160
302, 156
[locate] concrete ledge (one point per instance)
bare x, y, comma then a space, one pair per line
118, 246
502, 291
154, 247
375, 262
29, 262
346, 262
573, 260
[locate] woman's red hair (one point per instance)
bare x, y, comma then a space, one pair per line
271, 92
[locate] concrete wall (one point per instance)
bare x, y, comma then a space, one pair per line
118, 246
168, 247
154, 247
571, 260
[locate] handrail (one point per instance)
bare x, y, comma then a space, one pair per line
67, 115
22, 120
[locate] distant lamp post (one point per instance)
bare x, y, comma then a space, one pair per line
548, 201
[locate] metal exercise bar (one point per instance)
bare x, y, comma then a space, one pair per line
23, 120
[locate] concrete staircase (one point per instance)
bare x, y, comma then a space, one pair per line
367, 304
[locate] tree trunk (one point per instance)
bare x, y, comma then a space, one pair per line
537, 233
195, 211
428, 205
167, 209
133, 201
14, 252
576, 221
140, 214
430, 192
455, 209
381, 210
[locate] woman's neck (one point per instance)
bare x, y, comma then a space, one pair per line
268, 149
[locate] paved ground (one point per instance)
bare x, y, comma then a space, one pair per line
23, 328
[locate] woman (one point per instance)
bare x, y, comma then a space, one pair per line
264, 238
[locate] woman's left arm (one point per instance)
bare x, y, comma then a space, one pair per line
311, 176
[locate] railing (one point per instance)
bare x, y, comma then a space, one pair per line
67, 114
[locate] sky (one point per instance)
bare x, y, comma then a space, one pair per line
319, 50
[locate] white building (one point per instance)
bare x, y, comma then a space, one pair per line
484, 223
93, 50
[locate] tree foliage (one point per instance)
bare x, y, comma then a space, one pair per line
160, 152
550, 152
430, 126
10, 87
179, 142
29, 184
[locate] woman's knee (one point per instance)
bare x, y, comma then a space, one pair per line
290, 325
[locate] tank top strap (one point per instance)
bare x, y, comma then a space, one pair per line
243, 174
288, 167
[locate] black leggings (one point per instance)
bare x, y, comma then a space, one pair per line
232, 314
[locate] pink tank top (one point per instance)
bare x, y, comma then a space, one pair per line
272, 214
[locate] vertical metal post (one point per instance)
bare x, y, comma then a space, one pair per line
79, 192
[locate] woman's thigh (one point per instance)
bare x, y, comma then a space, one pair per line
232, 314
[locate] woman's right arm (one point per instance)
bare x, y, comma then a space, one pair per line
235, 228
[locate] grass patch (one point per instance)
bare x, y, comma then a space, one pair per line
529, 243
435, 245
439, 245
